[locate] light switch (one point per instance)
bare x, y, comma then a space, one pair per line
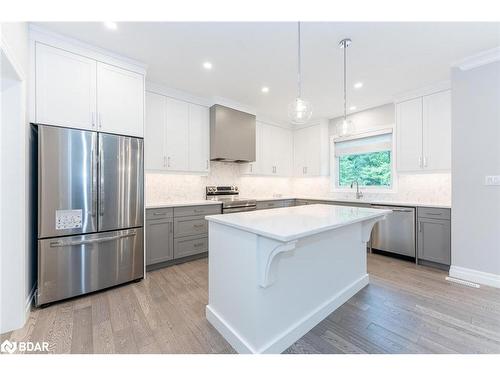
492, 180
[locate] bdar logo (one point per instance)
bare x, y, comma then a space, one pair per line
8, 347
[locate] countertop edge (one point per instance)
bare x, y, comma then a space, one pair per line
215, 219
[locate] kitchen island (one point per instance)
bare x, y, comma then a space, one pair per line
275, 274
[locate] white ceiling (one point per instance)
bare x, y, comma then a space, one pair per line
389, 58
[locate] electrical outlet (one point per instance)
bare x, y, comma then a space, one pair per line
492, 180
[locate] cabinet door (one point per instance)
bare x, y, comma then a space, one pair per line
299, 151
154, 140
409, 135
434, 242
199, 138
313, 151
120, 100
159, 241
255, 167
268, 166
65, 88
177, 135
283, 151
437, 131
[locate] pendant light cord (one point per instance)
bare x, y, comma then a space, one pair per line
345, 80
299, 67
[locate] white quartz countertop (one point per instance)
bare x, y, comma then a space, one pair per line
291, 223
181, 203
362, 200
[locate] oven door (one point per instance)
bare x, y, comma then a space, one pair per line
238, 209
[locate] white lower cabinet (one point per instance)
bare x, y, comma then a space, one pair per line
424, 133
177, 135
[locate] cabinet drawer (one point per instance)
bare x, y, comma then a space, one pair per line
211, 209
269, 204
159, 213
190, 226
186, 246
434, 213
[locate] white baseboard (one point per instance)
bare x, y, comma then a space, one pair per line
479, 277
294, 332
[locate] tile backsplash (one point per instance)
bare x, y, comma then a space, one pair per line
163, 187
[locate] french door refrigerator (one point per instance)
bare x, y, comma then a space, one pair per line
90, 211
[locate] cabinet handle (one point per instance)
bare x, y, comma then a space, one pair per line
419, 226
198, 244
420, 161
93, 119
425, 162
198, 226
207, 165
171, 227
159, 213
168, 161
251, 167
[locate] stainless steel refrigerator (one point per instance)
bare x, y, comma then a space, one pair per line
90, 211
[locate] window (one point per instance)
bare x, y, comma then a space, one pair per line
367, 159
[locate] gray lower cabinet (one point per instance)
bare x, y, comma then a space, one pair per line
159, 240
177, 233
434, 235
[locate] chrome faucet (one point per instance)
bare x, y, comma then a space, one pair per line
359, 194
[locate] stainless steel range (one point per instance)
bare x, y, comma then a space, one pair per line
230, 198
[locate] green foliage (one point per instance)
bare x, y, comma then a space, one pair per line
372, 169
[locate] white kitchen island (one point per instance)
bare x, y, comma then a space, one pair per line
275, 274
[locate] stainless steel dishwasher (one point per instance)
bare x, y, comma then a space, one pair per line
395, 234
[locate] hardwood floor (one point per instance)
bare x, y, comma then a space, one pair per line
405, 309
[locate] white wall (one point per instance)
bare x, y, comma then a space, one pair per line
475, 224
17, 258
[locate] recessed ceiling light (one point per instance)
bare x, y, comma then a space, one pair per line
352, 108
265, 89
111, 25
207, 65
358, 85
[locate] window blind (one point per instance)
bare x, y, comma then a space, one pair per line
364, 145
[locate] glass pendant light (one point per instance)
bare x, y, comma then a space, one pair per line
345, 126
300, 110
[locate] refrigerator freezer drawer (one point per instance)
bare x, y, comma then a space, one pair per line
71, 266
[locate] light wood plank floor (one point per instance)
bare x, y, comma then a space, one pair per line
405, 309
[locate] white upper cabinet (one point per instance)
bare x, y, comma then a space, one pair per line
154, 137
199, 135
310, 151
120, 100
65, 88
424, 133
177, 135
80, 92
276, 151
409, 135
255, 168
437, 131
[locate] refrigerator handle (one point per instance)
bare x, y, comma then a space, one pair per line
101, 179
95, 240
93, 181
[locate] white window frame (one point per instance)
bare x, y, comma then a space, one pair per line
334, 163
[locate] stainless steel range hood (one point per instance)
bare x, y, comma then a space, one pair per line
232, 135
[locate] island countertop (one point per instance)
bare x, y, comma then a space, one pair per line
291, 223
